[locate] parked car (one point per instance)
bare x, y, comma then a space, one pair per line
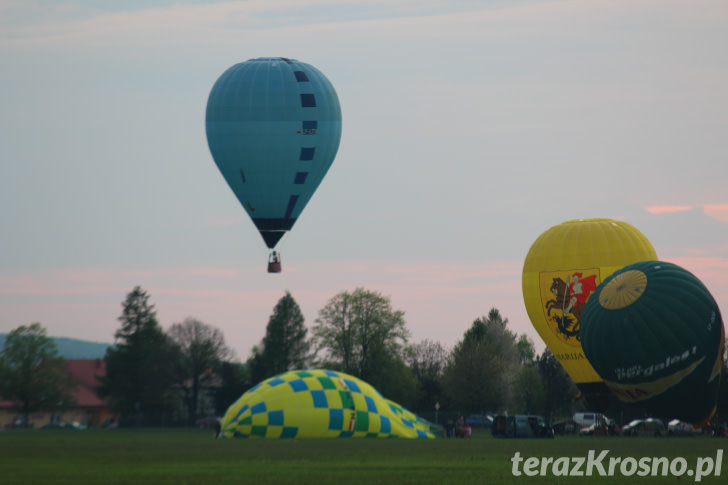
584, 420
566, 427
56, 425
591, 430
644, 427
208, 422
110, 423
613, 428
607, 427
479, 420
681, 428
64, 425
457, 428
521, 426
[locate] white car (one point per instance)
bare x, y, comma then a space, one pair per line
681, 428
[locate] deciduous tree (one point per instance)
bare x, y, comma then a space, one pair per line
201, 348
32, 374
427, 360
529, 391
355, 327
364, 336
526, 351
484, 365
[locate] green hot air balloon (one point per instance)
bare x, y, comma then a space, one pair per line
654, 333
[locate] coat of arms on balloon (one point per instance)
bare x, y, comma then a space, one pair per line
563, 295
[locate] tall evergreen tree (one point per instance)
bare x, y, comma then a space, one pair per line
559, 389
235, 380
140, 366
285, 345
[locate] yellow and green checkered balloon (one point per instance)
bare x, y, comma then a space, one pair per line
319, 404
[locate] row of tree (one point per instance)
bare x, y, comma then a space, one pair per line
157, 377
152, 376
358, 332
490, 369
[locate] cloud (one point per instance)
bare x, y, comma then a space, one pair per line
712, 271
187, 23
181, 23
440, 301
489, 120
662, 209
717, 211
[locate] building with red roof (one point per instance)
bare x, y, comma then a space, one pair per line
89, 410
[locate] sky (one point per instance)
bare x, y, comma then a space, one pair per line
469, 128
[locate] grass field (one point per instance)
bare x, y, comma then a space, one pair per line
194, 456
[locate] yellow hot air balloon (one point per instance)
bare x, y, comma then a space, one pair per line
562, 268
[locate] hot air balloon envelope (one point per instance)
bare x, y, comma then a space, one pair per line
273, 127
319, 403
655, 335
562, 269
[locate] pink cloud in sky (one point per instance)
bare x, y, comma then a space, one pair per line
662, 209
707, 269
440, 301
712, 272
717, 211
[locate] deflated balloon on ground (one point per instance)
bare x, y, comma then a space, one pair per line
320, 403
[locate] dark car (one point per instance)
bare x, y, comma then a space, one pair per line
521, 426
62, 425
644, 427
53, 426
566, 427
208, 422
479, 420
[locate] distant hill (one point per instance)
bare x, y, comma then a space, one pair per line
71, 348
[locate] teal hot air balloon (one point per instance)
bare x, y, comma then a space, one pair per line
273, 127
654, 333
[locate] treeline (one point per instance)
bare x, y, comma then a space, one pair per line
157, 377
490, 369
152, 374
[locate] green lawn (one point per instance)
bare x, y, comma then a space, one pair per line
194, 456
